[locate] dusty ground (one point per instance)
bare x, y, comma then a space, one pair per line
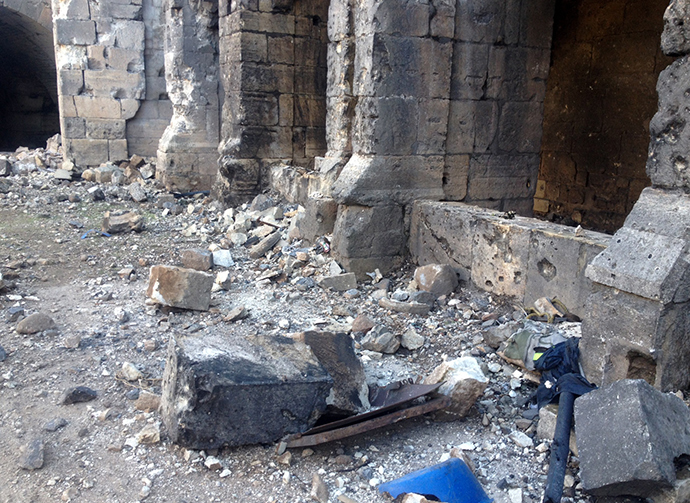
53, 270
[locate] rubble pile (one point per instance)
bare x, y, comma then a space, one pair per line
147, 321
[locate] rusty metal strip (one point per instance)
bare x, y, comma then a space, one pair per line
403, 394
365, 426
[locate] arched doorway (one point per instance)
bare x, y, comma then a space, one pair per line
28, 82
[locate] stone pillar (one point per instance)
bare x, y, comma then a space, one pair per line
638, 324
99, 51
273, 71
187, 152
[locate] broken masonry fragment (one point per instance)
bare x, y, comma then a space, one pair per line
123, 221
178, 287
218, 391
628, 437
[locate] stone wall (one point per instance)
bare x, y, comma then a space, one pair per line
99, 54
499, 69
601, 96
432, 100
145, 129
273, 72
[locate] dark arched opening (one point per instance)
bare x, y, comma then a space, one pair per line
28, 83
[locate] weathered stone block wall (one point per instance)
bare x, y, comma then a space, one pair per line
500, 65
600, 98
147, 127
100, 61
273, 71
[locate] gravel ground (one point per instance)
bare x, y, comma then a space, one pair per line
93, 287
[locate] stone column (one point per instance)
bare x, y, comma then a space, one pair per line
401, 89
638, 320
273, 73
187, 152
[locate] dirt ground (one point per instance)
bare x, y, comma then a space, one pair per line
51, 265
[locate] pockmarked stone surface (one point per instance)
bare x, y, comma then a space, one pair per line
628, 435
222, 391
179, 287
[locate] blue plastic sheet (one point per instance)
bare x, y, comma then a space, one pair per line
451, 481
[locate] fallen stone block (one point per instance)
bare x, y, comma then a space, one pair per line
336, 352
339, 282
114, 223
463, 381
232, 391
199, 260
439, 279
179, 287
63, 174
136, 192
628, 435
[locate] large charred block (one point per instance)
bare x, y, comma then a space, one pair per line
219, 391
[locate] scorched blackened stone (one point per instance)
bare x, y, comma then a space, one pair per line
221, 391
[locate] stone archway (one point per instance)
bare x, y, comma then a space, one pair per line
28, 79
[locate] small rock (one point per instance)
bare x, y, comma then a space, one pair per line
438, 279
213, 463
119, 222
147, 402
521, 439
463, 381
55, 424
515, 495
14, 314
285, 458
223, 258
95, 193
130, 372
32, 458
136, 192
411, 339
3, 354
199, 260
263, 246
238, 313
37, 322
224, 280
71, 341
150, 434
180, 287
319, 491
77, 395
133, 394
150, 345
381, 340
340, 282
423, 297
362, 324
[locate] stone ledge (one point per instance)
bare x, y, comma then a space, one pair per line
520, 257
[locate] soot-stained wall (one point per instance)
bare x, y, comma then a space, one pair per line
601, 95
